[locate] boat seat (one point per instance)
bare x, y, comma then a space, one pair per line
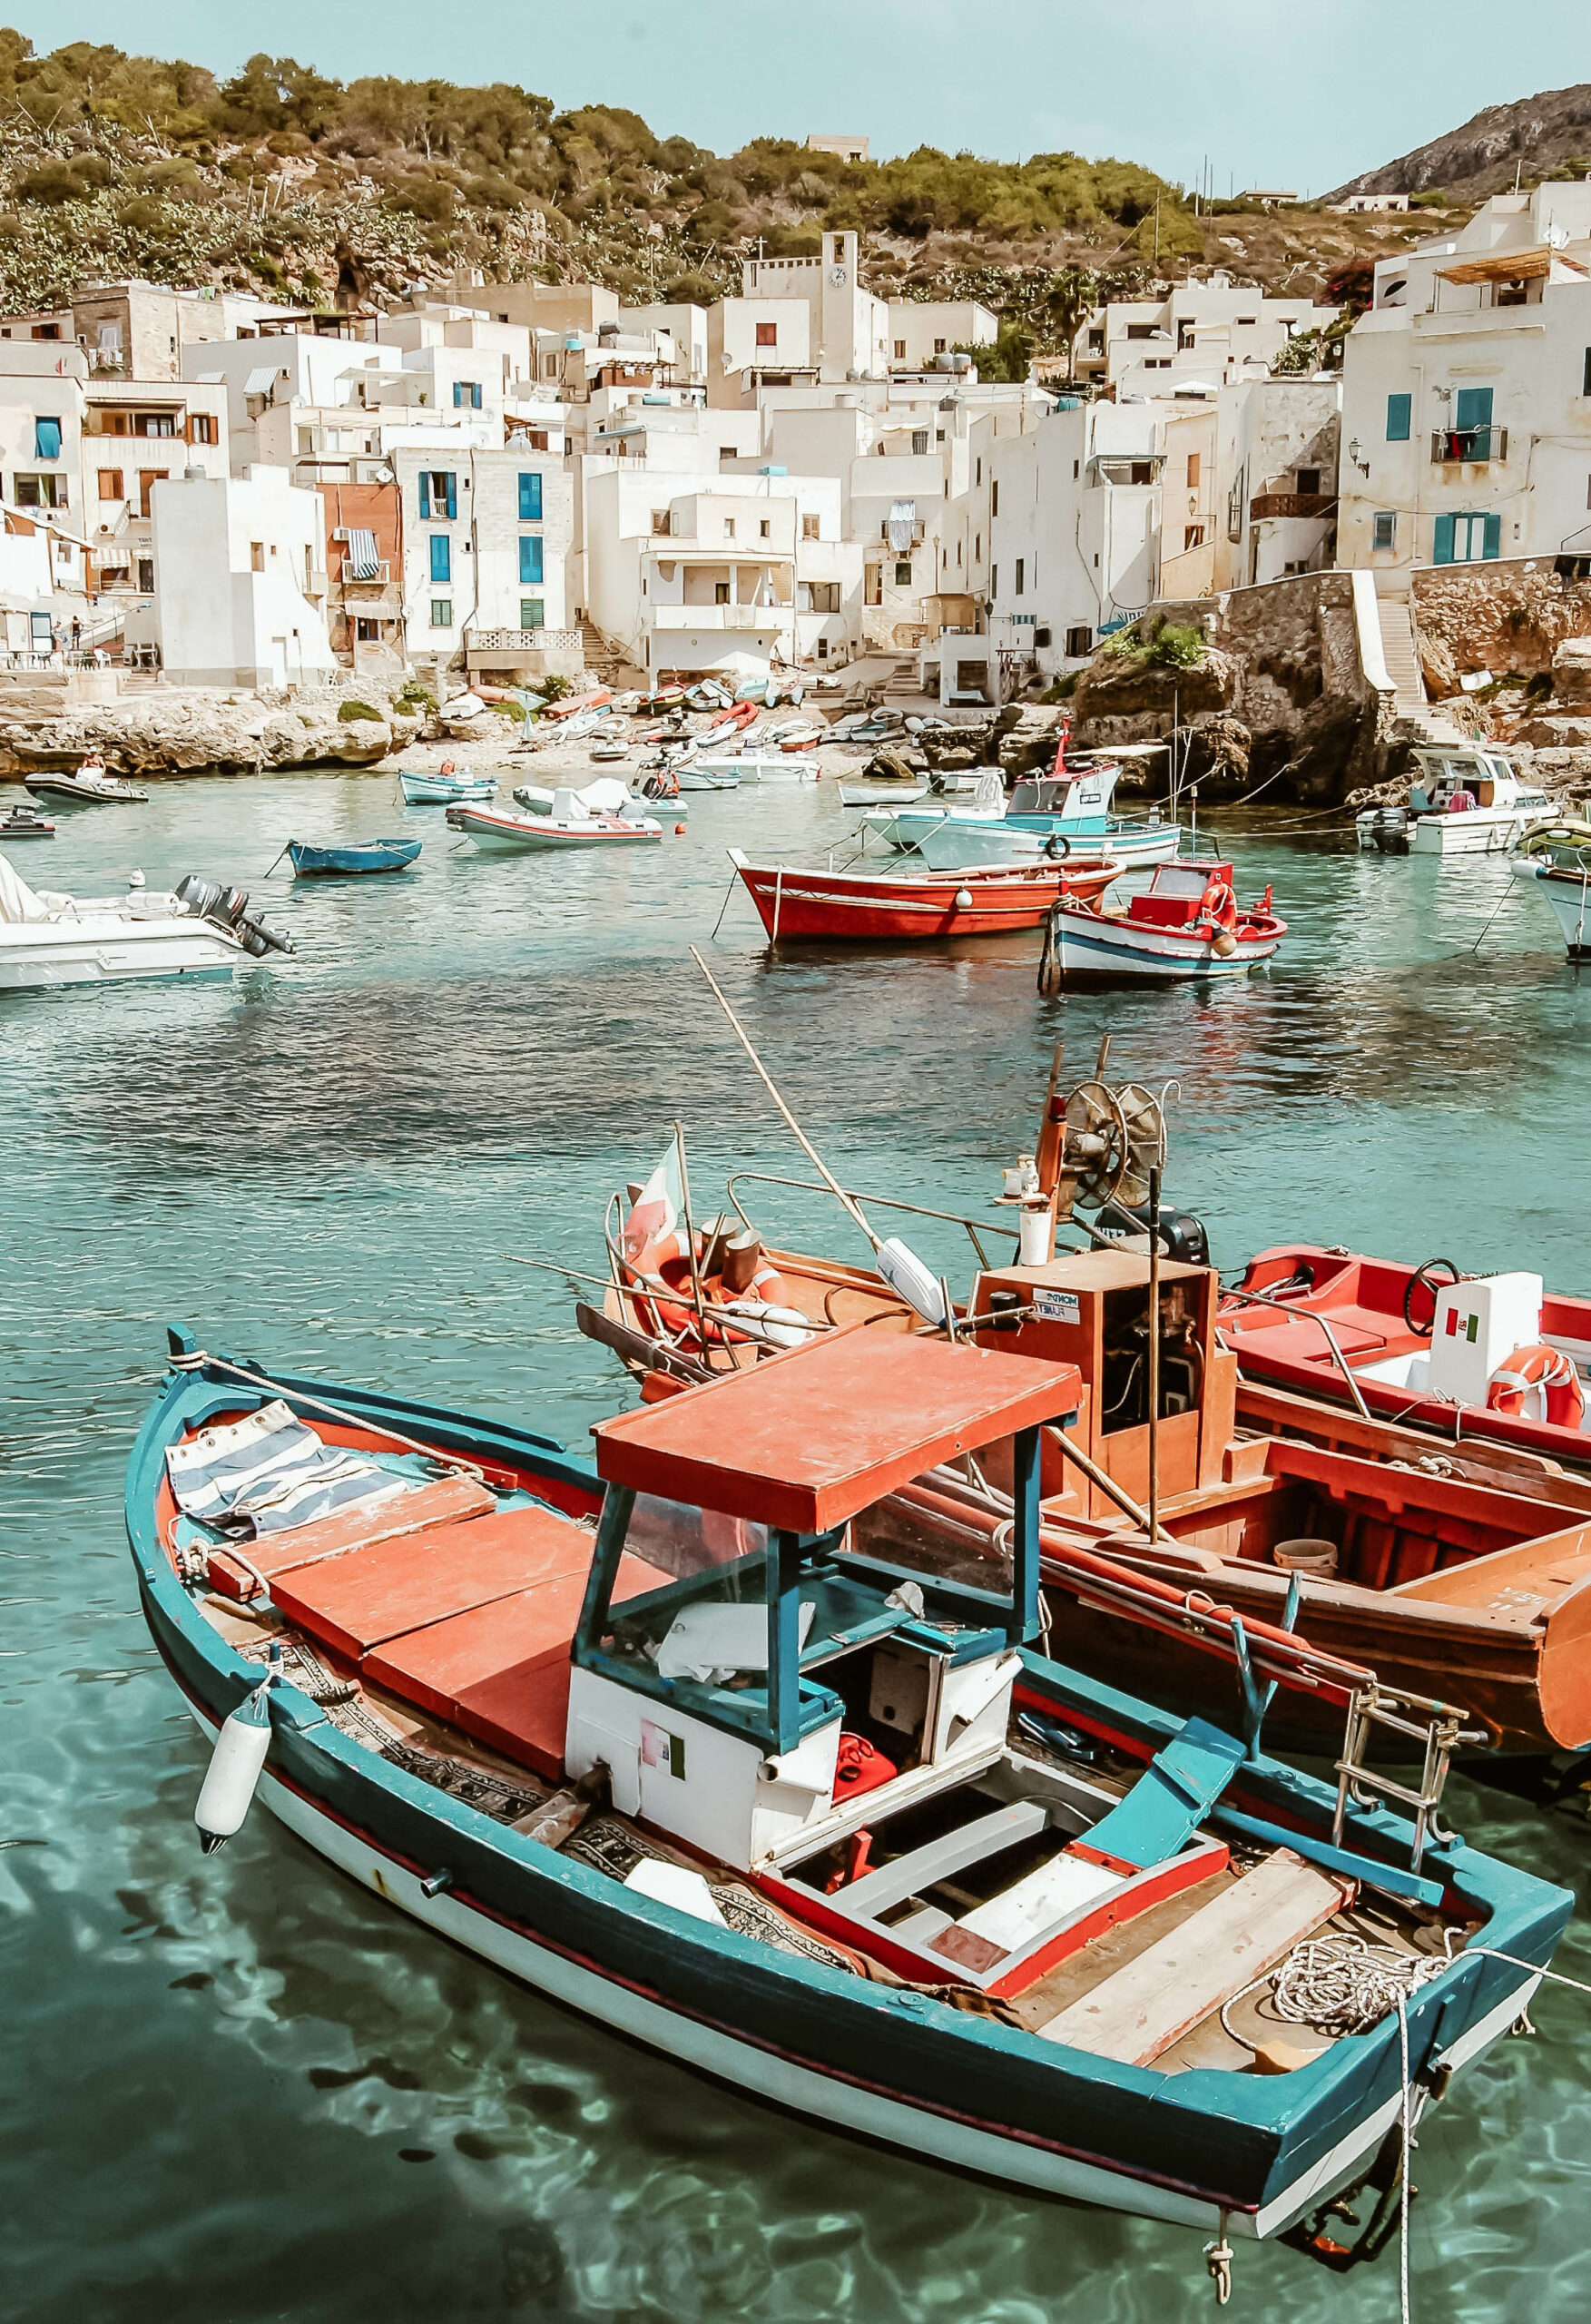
501, 1671
1167, 1804
441, 1500
366, 1596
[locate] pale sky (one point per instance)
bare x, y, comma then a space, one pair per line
1275, 93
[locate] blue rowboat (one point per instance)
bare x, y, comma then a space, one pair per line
443, 790
642, 1784
365, 856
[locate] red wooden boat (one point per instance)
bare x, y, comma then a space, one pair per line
1470, 1356
803, 905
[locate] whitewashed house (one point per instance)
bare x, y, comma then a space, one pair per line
239, 566
486, 536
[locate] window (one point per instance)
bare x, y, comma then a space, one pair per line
366, 632
46, 439
466, 395
533, 613
40, 492
257, 556
939, 347
900, 350
1585, 374
530, 497
111, 484
977, 548
147, 480
727, 452
204, 429
46, 330
549, 367
1193, 471
1140, 331
1384, 527
1245, 322
1079, 642
441, 556
1018, 584
903, 573
994, 580
146, 576
721, 593
155, 423
1096, 340
1141, 472
977, 472
919, 441
1399, 418
765, 528
729, 528
873, 586
1473, 408
994, 497
1309, 480
438, 493
441, 613
817, 596
1469, 538
1193, 537
809, 528
768, 334
530, 557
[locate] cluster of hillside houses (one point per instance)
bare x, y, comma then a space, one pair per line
476, 483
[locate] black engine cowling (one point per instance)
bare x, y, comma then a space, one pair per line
1182, 1235
228, 907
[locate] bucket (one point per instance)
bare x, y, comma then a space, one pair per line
1318, 1559
1036, 1234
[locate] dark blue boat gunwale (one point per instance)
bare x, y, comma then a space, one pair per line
1238, 2142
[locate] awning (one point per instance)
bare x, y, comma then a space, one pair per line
900, 524
1510, 266
261, 382
361, 562
211, 380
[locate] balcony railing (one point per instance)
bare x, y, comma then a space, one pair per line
356, 582
1450, 445
1291, 504
720, 616
511, 642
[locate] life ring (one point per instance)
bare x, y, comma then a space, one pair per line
1538, 1383
1218, 905
1058, 847
763, 1313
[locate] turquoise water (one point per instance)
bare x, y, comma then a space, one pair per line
237, 2088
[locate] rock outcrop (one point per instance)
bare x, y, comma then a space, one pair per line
173, 731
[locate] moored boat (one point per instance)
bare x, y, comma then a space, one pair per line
356, 856
1068, 809
1187, 924
25, 822
758, 767
733, 1743
442, 790
565, 824
1557, 860
90, 786
202, 929
1467, 799
808, 904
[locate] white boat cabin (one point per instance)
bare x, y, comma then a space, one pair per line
1459, 779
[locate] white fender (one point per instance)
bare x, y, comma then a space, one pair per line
904, 1271
234, 1769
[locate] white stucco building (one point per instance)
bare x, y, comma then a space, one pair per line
240, 581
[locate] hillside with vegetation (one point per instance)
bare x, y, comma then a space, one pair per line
1544, 136
281, 180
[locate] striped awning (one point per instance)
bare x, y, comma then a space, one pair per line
361, 563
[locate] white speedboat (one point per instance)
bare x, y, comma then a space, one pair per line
90, 786
202, 930
568, 822
776, 767
1467, 799
1070, 807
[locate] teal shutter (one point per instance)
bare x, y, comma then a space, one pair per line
441, 557
1492, 546
452, 495
46, 439
425, 493
530, 498
1399, 418
530, 556
1444, 540
1474, 408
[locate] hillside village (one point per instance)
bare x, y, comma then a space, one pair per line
469, 461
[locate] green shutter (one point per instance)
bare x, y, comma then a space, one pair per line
1444, 541
1474, 408
1399, 418
1494, 537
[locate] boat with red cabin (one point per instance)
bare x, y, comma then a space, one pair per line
1187, 923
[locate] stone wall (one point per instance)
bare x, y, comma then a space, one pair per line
1281, 704
1510, 615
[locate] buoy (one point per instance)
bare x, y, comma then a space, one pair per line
135, 878
678, 830
235, 1765
904, 1271
964, 899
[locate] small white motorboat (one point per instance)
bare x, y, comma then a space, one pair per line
568, 822
1467, 799
764, 767
606, 795
202, 930
1556, 860
92, 785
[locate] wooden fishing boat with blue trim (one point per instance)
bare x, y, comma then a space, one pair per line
360, 855
808, 904
740, 1743
446, 789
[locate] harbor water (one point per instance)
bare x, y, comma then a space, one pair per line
240, 2088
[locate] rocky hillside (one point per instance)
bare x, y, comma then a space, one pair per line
285, 182
1545, 136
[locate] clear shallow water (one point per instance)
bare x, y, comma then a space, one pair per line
240, 2089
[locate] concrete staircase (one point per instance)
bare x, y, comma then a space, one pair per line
602, 656
1400, 651
903, 684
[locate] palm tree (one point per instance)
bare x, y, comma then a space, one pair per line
1070, 297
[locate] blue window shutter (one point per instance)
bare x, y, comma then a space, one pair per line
530, 499
425, 492
1399, 418
46, 439
1474, 408
441, 557
452, 494
1494, 537
1444, 541
457, 393
530, 556
474, 395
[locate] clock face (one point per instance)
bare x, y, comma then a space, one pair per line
837, 274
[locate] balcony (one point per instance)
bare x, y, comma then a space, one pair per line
515, 643
365, 584
1291, 503
1450, 446
758, 618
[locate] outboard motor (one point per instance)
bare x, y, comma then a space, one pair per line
228, 907
1182, 1235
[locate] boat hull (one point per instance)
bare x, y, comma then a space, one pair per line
1478, 832
430, 791
1567, 896
1198, 2150
65, 792
782, 769
504, 834
387, 855
807, 906
1088, 944
107, 950
950, 845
